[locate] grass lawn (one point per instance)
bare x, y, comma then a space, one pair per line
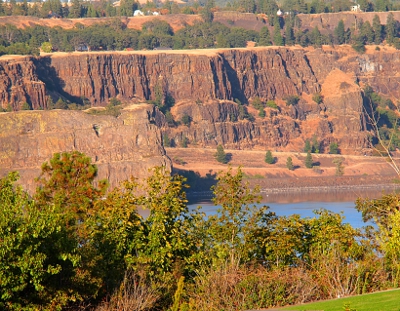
382, 301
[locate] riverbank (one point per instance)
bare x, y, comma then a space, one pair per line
359, 172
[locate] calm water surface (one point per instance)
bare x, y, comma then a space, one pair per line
304, 203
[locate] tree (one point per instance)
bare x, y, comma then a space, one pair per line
340, 33
315, 144
390, 28
265, 37
333, 148
339, 166
269, 158
308, 162
289, 164
367, 32
378, 29
232, 228
278, 40
220, 155
67, 183
41, 258
307, 146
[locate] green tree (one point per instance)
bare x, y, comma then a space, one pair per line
67, 183
390, 28
340, 33
220, 155
231, 230
278, 40
265, 37
315, 145
308, 162
378, 29
269, 158
317, 97
40, 265
307, 146
186, 119
339, 166
367, 32
333, 148
47, 47
289, 164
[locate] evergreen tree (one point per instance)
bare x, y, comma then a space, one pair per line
340, 33
368, 33
378, 29
382, 5
278, 40
76, 9
269, 158
390, 28
289, 164
308, 161
307, 146
289, 35
220, 155
333, 148
358, 44
265, 37
315, 145
316, 37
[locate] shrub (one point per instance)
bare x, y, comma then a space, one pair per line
272, 104
220, 155
186, 119
269, 158
292, 100
289, 164
317, 97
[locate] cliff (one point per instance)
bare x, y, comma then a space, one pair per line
121, 147
219, 76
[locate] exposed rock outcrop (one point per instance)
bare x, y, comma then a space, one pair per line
121, 147
220, 76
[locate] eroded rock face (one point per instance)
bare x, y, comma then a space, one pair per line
121, 147
215, 78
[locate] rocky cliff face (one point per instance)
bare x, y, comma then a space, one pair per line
218, 76
121, 147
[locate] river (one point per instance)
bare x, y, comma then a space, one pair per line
304, 203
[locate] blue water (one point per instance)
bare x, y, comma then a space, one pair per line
304, 209
304, 204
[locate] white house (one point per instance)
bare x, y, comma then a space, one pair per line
138, 13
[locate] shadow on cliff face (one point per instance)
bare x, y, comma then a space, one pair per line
237, 92
54, 84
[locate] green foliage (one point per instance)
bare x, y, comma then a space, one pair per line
307, 146
26, 106
261, 113
308, 162
340, 33
184, 142
38, 255
269, 158
47, 47
186, 119
237, 218
289, 164
257, 103
292, 100
333, 148
317, 97
220, 155
339, 166
271, 104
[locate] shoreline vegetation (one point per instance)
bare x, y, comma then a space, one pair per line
76, 245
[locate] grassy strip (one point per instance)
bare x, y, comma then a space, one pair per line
382, 301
